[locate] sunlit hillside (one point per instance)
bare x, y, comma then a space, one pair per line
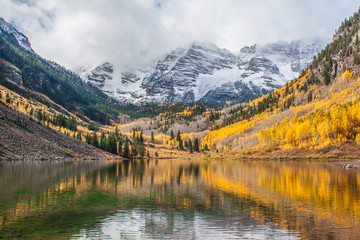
318, 109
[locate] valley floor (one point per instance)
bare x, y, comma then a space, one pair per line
342, 151
25, 139
335, 151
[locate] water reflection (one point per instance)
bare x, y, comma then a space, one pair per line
158, 199
154, 224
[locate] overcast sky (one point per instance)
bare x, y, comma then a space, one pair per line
87, 32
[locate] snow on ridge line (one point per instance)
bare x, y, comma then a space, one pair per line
199, 70
22, 40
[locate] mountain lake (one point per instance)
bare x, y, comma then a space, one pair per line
179, 199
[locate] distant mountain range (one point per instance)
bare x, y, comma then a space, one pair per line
206, 74
202, 73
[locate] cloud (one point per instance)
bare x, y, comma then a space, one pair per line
87, 32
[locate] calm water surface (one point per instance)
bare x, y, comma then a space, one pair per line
179, 199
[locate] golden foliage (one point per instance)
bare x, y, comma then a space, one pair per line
29, 107
339, 124
347, 75
313, 123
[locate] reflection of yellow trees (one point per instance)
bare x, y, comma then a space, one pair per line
326, 188
219, 181
327, 193
291, 194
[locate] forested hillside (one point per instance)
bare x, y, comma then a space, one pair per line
316, 110
58, 84
319, 111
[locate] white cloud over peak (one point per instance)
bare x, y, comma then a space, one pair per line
87, 32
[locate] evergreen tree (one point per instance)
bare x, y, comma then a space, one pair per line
141, 151
172, 134
126, 150
8, 101
152, 137
133, 151
310, 97
190, 146
196, 145
102, 143
116, 131
206, 148
326, 76
78, 136
141, 138
181, 147
87, 139
120, 150
178, 136
287, 89
39, 116
94, 140
111, 144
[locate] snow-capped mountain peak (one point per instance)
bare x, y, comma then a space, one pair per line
208, 74
20, 38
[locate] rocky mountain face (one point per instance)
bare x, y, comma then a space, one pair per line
98, 75
201, 73
15, 36
206, 74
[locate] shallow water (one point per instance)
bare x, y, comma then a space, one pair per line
179, 199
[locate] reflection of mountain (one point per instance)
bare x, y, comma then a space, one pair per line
304, 198
155, 224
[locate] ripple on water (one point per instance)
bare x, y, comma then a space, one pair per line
154, 224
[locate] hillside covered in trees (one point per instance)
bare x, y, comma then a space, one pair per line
318, 111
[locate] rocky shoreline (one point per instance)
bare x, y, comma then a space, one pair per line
349, 165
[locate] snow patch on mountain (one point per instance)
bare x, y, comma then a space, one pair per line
21, 39
206, 83
207, 74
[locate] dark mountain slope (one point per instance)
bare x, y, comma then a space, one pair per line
46, 77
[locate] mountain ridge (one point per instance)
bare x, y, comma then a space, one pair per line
206, 74
19, 37
25, 68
